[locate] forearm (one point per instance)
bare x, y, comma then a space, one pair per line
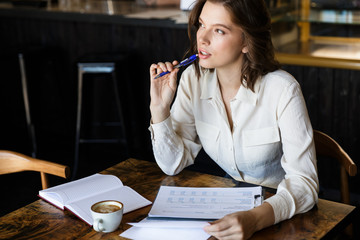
292, 197
170, 151
264, 216
159, 113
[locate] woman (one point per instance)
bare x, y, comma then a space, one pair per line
248, 115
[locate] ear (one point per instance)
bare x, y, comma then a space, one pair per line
245, 50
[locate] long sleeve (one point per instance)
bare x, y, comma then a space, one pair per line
175, 141
298, 192
170, 150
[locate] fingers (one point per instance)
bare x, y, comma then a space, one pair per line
160, 67
225, 228
217, 227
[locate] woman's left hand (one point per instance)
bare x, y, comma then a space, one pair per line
239, 225
242, 225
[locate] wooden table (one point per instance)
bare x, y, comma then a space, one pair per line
42, 220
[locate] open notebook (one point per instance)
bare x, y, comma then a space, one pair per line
78, 196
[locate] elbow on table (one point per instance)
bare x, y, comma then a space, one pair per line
170, 171
312, 200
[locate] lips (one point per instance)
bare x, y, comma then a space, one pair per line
203, 54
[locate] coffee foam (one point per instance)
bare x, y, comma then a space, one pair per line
107, 207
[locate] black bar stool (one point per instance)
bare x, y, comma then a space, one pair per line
101, 67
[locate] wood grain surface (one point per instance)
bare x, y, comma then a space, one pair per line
41, 220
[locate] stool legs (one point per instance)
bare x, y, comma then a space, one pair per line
78, 121
30, 126
108, 68
119, 110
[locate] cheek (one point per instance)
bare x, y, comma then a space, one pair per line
222, 45
200, 37
233, 48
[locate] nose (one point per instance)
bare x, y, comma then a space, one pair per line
203, 37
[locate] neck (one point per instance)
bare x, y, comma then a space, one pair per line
229, 80
229, 74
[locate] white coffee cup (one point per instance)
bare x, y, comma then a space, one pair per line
107, 215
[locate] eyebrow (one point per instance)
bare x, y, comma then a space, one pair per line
218, 24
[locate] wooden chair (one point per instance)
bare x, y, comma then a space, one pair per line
328, 147
11, 162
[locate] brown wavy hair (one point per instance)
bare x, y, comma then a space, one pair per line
253, 17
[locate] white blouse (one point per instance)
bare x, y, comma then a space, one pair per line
271, 143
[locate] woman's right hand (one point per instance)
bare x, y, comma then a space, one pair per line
162, 90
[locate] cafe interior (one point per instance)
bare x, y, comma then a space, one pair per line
75, 83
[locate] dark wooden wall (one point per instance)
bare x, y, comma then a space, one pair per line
332, 95
69, 41
333, 100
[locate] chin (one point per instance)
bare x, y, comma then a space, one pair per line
206, 65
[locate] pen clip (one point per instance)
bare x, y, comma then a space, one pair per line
258, 199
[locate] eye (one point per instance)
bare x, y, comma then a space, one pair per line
201, 25
220, 31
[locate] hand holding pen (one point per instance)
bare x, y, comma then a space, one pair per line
162, 90
183, 63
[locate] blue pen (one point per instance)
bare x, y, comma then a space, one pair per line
182, 64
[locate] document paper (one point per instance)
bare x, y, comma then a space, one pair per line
204, 203
154, 229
